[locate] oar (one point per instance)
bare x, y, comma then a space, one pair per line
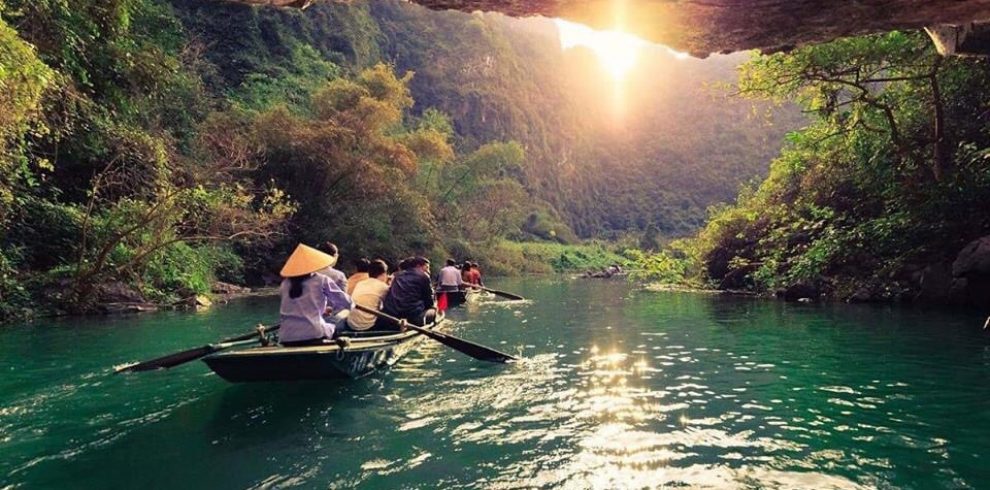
185, 356
496, 292
472, 349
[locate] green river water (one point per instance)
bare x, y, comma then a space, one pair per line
621, 388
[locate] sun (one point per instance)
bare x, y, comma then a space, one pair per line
616, 51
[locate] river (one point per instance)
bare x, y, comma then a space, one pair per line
621, 387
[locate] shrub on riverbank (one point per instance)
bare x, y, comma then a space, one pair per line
543, 257
664, 267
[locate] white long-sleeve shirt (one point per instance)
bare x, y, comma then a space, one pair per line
450, 276
302, 317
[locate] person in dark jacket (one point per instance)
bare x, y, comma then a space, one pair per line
410, 295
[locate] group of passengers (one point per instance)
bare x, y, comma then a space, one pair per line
455, 278
313, 290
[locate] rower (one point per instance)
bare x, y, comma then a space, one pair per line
410, 296
450, 278
306, 295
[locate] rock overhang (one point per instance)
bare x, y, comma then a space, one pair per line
701, 27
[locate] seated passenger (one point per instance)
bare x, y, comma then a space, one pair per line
473, 275
369, 293
360, 274
450, 278
335, 275
476, 270
306, 296
410, 296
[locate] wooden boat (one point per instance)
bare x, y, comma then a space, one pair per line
457, 298
366, 353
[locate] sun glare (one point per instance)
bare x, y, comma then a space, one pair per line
616, 51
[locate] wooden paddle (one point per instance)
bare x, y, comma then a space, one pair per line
496, 292
190, 355
472, 349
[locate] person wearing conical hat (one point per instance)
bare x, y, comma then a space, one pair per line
306, 294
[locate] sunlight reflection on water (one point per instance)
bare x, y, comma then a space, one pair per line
624, 428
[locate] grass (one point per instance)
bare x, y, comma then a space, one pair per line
513, 258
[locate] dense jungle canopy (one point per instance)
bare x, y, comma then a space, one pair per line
151, 147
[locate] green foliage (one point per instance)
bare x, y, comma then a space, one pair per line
292, 84
177, 270
545, 224
885, 179
15, 298
565, 258
649, 240
181, 270
102, 126
346, 161
23, 81
480, 195
661, 267
46, 232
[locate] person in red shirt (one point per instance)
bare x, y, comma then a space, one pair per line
474, 274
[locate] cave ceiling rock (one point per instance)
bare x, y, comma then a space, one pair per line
701, 27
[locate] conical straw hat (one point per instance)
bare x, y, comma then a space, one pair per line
305, 260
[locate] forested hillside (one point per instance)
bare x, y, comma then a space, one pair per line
150, 147
681, 145
678, 144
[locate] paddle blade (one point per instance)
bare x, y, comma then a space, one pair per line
471, 349
442, 301
504, 294
168, 361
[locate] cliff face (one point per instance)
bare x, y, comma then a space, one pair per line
701, 27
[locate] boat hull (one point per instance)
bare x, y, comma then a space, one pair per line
364, 355
458, 298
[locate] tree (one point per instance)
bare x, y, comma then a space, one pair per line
348, 163
133, 215
877, 185
649, 241
863, 84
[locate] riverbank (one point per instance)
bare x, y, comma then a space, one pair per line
221, 294
953, 277
119, 299
677, 288
505, 258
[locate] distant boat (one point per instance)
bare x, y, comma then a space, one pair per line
364, 354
